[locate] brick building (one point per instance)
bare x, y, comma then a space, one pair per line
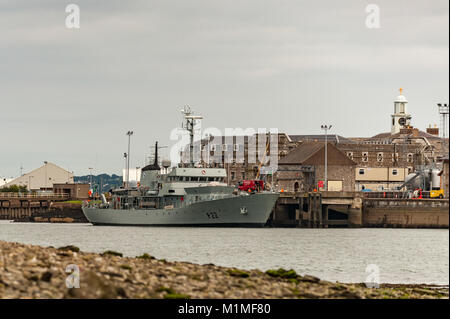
74, 191
241, 156
303, 169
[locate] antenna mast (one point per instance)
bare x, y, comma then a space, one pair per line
190, 123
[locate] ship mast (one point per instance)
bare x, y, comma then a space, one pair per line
190, 123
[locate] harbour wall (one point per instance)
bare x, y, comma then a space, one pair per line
47, 211
410, 213
352, 209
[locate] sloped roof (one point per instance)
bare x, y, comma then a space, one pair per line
313, 153
321, 137
399, 135
301, 153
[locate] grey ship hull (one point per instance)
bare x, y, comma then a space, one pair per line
240, 211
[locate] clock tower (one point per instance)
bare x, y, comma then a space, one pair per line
400, 118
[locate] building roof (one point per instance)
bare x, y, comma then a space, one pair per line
43, 177
320, 137
301, 153
401, 98
313, 153
400, 135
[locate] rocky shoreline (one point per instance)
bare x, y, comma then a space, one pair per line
28, 271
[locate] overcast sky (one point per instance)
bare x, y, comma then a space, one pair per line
69, 95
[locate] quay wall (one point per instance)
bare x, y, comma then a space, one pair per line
43, 212
351, 209
406, 213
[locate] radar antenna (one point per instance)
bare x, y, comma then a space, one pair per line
189, 126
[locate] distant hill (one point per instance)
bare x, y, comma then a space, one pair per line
104, 181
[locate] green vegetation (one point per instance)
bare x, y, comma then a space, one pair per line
282, 273
238, 273
14, 189
145, 256
73, 202
165, 289
112, 253
125, 266
171, 294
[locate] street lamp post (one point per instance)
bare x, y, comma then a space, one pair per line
326, 128
129, 133
45, 163
29, 183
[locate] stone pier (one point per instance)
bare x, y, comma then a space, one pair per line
352, 209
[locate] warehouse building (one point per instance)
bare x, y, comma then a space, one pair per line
43, 178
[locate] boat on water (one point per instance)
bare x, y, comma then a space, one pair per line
183, 196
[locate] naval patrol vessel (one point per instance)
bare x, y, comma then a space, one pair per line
185, 196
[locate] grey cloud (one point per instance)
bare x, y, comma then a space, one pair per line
72, 94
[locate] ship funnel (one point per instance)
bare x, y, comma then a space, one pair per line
155, 165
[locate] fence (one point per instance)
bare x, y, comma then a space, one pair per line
36, 195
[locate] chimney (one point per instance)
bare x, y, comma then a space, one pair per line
433, 130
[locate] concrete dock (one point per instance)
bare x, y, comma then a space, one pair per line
356, 209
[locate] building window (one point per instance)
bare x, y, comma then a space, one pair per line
236, 147
243, 175
213, 147
361, 171
410, 158
224, 147
365, 157
350, 155
394, 172
380, 157
232, 176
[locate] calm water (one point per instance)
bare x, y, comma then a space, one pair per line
402, 255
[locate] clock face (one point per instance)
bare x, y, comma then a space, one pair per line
402, 121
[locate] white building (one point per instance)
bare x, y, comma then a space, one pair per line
4, 180
400, 118
43, 177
